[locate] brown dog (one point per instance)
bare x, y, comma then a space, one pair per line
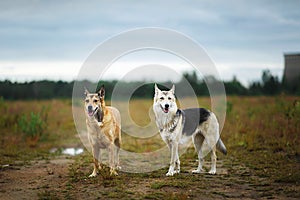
104, 130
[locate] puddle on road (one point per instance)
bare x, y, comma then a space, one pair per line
67, 151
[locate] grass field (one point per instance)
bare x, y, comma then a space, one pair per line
262, 136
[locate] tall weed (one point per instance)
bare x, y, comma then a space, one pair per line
33, 126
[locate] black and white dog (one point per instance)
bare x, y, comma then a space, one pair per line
175, 124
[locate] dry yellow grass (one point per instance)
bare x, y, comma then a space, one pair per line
262, 135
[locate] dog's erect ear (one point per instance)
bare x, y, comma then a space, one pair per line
157, 90
173, 89
101, 92
86, 92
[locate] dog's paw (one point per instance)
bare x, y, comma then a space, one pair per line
170, 174
93, 175
100, 166
177, 171
197, 171
118, 167
113, 172
212, 171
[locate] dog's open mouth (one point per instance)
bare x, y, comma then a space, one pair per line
92, 112
166, 110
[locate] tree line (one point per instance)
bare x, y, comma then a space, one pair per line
268, 85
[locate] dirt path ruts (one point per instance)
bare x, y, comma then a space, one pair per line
27, 182
51, 179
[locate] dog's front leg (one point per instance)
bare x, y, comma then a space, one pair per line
95, 151
177, 163
173, 148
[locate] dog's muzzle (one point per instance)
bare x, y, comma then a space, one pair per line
166, 108
91, 112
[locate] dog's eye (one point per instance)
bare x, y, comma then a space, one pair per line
95, 100
161, 98
169, 98
86, 100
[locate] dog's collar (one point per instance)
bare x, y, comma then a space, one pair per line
178, 113
99, 115
174, 122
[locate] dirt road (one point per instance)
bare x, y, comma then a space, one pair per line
67, 178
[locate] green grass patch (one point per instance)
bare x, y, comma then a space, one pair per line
168, 183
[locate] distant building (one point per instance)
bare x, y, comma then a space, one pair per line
291, 73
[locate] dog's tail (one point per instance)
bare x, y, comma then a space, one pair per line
221, 146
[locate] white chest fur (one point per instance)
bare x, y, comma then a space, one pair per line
170, 128
96, 135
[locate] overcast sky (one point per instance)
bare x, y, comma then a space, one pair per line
52, 39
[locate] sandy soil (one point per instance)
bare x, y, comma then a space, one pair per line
66, 178
26, 182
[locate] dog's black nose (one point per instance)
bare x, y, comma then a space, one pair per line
167, 105
90, 107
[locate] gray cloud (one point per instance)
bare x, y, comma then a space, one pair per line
231, 31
